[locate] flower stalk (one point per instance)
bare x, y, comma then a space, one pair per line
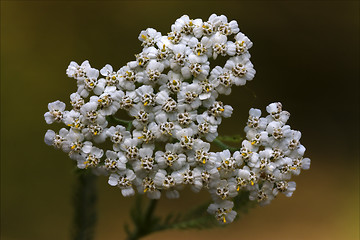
224, 146
144, 222
115, 120
84, 201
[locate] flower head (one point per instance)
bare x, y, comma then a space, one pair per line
170, 92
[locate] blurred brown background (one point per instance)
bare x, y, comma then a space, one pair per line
306, 55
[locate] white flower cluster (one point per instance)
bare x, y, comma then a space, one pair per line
172, 95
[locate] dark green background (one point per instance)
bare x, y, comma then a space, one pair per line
306, 55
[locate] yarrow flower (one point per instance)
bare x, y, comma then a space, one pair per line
171, 94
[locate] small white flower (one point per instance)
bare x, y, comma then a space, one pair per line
207, 28
179, 59
264, 195
216, 21
247, 150
287, 188
88, 84
207, 87
56, 140
152, 74
242, 43
167, 183
257, 138
76, 101
222, 211
223, 189
255, 121
185, 118
142, 115
174, 37
163, 53
89, 111
127, 78
74, 120
130, 148
200, 27
195, 67
124, 181
201, 156
92, 156
148, 134
143, 58
276, 113
242, 178
172, 157
229, 28
221, 46
128, 101
146, 95
218, 110
264, 162
201, 49
174, 82
76, 71
149, 37
117, 136
229, 163
291, 142
277, 132
222, 25
56, 112
300, 163
221, 80
148, 186
209, 174
74, 144
166, 104
165, 127
114, 161
111, 77
95, 131
283, 169
184, 135
298, 152
185, 25
241, 69
206, 129
146, 161
109, 101
188, 97
190, 177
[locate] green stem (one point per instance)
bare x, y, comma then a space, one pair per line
233, 138
125, 123
150, 211
224, 146
144, 222
129, 126
84, 206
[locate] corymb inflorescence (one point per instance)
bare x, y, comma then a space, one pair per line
171, 93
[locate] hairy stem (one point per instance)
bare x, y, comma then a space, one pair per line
84, 206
